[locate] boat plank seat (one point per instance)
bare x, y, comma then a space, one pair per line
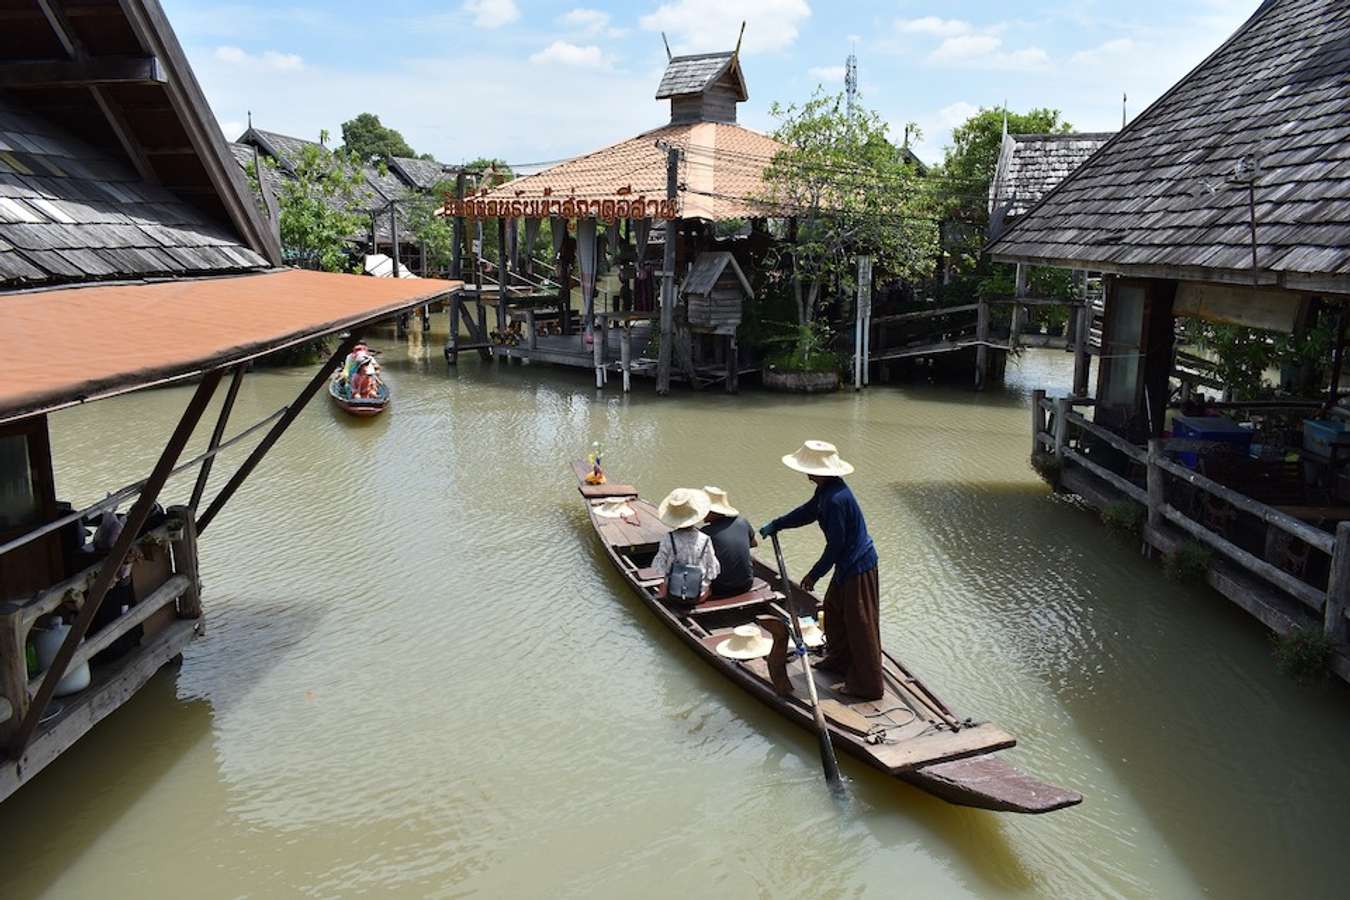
599, 491
760, 592
642, 529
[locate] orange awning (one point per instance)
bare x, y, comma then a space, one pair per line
75, 344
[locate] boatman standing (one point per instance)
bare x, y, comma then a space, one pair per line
852, 603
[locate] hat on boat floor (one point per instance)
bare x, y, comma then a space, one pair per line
683, 507
613, 508
818, 458
746, 642
718, 503
812, 636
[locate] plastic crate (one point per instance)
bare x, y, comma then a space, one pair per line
1323, 436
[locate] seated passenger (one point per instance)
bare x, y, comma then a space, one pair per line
732, 537
685, 557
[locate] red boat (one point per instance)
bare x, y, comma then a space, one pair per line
358, 406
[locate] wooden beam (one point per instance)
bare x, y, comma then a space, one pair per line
216, 435
82, 72
107, 573
112, 111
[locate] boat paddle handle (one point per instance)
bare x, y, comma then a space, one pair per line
827, 758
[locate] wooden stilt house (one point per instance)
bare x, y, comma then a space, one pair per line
131, 256
1227, 200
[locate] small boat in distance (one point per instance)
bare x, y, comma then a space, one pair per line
358, 406
909, 734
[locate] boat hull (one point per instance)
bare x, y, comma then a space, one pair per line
360, 408
950, 759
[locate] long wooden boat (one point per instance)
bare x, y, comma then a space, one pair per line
909, 734
357, 406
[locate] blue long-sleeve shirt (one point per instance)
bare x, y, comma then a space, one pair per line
848, 546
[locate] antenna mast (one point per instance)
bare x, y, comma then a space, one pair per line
851, 80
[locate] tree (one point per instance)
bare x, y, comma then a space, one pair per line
367, 140
321, 208
852, 192
435, 233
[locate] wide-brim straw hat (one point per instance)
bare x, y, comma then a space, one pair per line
818, 458
717, 502
812, 635
683, 507
613, 508
746, 642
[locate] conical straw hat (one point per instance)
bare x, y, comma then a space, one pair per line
683, 507
818, 458
718, 503
746, 642
812, 636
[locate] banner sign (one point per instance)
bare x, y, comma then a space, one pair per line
606, 210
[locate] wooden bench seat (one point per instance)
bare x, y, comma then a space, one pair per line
760, 592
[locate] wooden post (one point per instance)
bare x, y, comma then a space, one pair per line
1037, 420
1337, 362
217, 434
457, 262
453, 310
668, 277
567, 254
185, 562
626, 355
598, 349
733, 365
393, 237
13, 673
1338, 586
1157, 497
1019, 311
531, 339
1082, 361
982, 346
503, 277
1061, 426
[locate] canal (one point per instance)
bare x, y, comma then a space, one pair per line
421, 677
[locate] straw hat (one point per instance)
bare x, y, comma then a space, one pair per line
613, 508
746, 642
812, 636
717, 502
683, 507
818, 458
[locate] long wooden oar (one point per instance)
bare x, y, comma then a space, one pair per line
827, 760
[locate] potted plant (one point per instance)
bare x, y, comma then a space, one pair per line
804, 364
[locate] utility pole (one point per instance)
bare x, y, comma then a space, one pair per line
457, 262
851, 81
668, 275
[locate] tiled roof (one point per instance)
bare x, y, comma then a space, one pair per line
693, 74
423, 174
70, 212
1169, 195
721, 171
1032, 164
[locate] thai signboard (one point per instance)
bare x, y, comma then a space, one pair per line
607, 210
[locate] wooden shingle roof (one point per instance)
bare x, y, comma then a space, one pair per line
422, 174
695, 74
1031, 165
71, 211
1168, 196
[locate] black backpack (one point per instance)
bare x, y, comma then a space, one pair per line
685, 582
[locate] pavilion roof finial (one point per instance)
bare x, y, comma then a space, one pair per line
669, 55
740, 37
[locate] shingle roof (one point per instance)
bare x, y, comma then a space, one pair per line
1167, 196
1033, 164
423, 174
722, 172
71, 212
694, 74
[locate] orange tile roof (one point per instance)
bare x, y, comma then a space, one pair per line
720, 177
75, 344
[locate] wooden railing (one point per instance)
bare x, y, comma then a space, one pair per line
166, 557
1051, 423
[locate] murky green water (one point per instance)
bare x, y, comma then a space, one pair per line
422, 679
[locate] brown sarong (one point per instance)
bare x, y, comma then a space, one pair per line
853, 634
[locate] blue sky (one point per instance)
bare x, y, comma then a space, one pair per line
528, 80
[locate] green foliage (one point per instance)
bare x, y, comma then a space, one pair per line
367, 140
1303, 654
853, 192
962, 194
1123, 517
1188, 564
322, 208
1243, 355
435, 233
804, 348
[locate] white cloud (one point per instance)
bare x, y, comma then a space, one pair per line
933, 25
985, 51
956, 113
590, 22
1111, 50
268, 60
567, 54
705, 25
827, 73
492, 13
